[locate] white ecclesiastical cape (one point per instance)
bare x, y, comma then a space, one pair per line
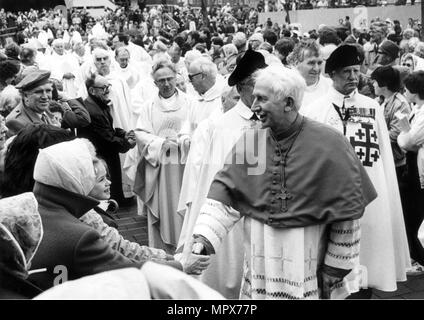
384, 246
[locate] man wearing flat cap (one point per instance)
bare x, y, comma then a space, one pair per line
361, 120
36, 90
218, 136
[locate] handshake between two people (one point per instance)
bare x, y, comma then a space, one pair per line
130, 137
193, 262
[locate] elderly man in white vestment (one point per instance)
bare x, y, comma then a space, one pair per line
384, 246
160, 168
203, 75
127, 69
220, 134
301, 200
64, 68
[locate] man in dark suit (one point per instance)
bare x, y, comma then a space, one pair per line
109, 141
36, 90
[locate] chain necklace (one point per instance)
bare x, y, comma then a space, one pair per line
285, 195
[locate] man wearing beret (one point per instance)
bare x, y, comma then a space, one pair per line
218, 136
384, 247
36, 90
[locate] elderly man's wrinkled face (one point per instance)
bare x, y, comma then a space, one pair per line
101, 89
39, 98
59, 48
310, 68
123, 59
196, 78
269, 111
102, 63
165, 80
346, 80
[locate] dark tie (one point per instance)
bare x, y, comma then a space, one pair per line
44, 118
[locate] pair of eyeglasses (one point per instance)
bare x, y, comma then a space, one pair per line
99, 59
191, 76
104, 88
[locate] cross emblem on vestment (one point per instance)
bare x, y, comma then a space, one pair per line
276, 258
284, 196
367, 150
310, 260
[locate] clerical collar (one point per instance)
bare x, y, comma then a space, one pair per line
296, 124
243, 110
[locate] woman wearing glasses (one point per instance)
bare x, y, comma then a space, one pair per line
412, 62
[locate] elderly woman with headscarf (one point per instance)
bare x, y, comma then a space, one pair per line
21, 232
65, 178
412, 62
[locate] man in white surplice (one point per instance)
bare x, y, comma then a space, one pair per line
308, 60
301, 200
203, 75
219, 136
160, 164
65, 68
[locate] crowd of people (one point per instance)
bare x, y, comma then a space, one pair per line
270, 162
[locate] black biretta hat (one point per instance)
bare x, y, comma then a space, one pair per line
344, 56
248, 64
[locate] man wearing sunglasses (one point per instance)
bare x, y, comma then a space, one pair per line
108, 140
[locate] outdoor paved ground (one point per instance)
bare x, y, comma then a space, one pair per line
134, 228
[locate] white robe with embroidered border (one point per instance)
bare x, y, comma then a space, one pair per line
220, 133
281, 263
384, 247
160, 119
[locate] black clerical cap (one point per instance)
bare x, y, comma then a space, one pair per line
247, 65
344, 56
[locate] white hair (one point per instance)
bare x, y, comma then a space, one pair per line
284, 82
191, 55
99, 51
57, 41
206, 66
